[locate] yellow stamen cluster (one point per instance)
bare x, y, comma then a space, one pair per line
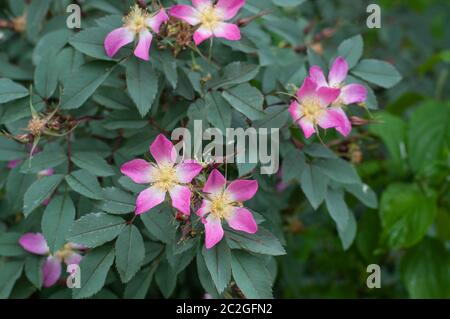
136, 19
312, 110
36, 125
165, 177
209, 18
64, 252
221, 206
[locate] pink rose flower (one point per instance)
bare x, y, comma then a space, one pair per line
223, 202
164, 176
137, 24
35, 243
210, 18
312, 109
350, 93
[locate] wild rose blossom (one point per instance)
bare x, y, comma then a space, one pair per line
350, 93
35, 243
137, 25
312, 109
223, 202
163, 177
210, 18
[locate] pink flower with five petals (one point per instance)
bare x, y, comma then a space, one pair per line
35, 243
223, 202
210, 18
164, 176
137, 24
350, 93
312, 109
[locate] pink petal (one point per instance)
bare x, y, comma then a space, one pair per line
139, 171
353, 93
202, 34
34, 243
12, 164
204, 209
51, 271
327, 95
227, 31
215, 183
213, 231
163, 151
317, 76
242, 219
338, 72
73, 259
148, 199
308, 89
336, 117
229, 8
181, 199
117, 39
185, 13
295, 111
307, 127
155, 22
143, 47
242, 190
201, 4
186, 171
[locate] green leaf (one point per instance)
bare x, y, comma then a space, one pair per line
10, 150
351, 49
348, 234
95, 229
36, 12
85, 183
288, 3
49, 45
235, 73
425, 270
392, 130
377, 72
43, 160
39, 191
46, 76
142, 84
166, 278
10, 271
364, 193
318, 150
9, 245
219, 111
56, 221
406, 215
159, 222
276, 117
130, 252
251, 275
205, 277
94, 268
82, 83
218, 262
428, 129
93, 163
117, 201
339, 170
314, 185
138, 287
263, 242
246, 99
293, 165
33, 269
10, 91
337, 208
16, 185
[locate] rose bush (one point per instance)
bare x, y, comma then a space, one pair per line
89, 174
